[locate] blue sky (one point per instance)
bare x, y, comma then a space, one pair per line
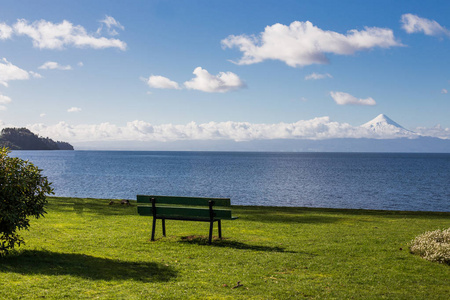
124, 70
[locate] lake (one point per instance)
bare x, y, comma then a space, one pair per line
419, 182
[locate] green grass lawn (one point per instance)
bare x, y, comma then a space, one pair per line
84, 248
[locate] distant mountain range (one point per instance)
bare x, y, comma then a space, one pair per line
381, 134
24, 139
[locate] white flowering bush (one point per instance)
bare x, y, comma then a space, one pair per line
433, 246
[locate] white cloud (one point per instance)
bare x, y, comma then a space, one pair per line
110, 23
48, 35
80, 64
342, 98
444, 91
42, 115
316, 76
161, 82
302, 43
35, 75
74, 109
5, 31
204, 81
436, 131
221, 83
313, 129
8, 72
4, 99
51, 65
413, 24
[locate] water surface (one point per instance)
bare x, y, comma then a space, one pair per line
338, 180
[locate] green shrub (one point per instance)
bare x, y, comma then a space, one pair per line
23, 193
433, 246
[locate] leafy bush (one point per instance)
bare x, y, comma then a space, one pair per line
23, 193
433, 246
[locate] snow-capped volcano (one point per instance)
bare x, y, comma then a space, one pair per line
385, 127
382, 121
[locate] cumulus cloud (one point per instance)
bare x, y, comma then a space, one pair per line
138, 130
51, 65
9, 72
315, 76
444, 91
220, 83
302, 43
239, 131
5, 31
342, 98
436, 131
48, 35
74, 109
35, 75
110, 24
161, 82
414, 24
80, 64
4, 100
204, 81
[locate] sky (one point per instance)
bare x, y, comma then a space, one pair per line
83, 71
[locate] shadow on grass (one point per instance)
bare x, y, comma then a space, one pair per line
87, 205
304, 214
283, 215
85, 266
203, 240
268, 214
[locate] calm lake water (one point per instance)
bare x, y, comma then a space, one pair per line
336, 180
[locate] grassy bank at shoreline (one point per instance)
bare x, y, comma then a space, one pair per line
84, 248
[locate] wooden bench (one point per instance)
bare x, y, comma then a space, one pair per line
185, 208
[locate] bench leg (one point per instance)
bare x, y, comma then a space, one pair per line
211, 224
164, 226
153, 228
219, 224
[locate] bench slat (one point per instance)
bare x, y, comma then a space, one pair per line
187, 212
183, 200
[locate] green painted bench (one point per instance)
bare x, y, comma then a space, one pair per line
185, 208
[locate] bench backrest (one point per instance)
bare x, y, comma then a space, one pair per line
189, 201
184, 207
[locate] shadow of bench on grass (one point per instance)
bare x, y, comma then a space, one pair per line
203, 240
85, 266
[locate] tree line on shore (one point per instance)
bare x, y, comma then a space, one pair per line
24, 139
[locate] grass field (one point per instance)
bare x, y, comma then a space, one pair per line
84, 248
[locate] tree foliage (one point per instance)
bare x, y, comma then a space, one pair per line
24, 139
23, 192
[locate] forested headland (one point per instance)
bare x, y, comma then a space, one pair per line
24, 139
